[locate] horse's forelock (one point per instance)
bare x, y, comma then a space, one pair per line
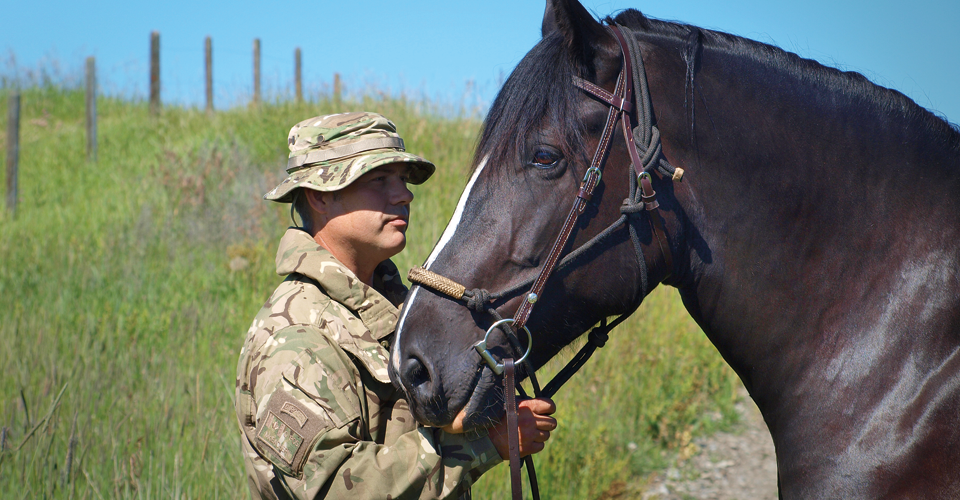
539, 89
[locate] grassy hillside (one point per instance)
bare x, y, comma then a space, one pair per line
126, 287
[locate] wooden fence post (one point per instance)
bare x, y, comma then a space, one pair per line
297, 76
337, 89
155, 72
13, 150
256, 71
208, 65
91, 109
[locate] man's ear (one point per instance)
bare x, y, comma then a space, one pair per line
318, 201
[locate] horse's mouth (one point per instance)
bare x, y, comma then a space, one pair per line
484, 407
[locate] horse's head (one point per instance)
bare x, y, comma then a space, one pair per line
537, 145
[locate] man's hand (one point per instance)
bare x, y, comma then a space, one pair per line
535, 426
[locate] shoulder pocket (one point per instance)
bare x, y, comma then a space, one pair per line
288, 430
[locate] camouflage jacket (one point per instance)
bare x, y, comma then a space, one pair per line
318, 413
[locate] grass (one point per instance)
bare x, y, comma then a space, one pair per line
127, 285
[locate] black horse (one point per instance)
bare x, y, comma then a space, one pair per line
815, 238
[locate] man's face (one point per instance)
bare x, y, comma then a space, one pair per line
370, 216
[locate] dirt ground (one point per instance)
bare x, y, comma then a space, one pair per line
729, 465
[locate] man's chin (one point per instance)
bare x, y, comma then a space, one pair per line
390, 249
396, 245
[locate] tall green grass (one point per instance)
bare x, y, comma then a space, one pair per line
127, 285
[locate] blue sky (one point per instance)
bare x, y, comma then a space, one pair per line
434, 48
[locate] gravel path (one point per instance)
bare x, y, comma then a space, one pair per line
740, 464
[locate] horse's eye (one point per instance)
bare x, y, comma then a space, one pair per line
544, 158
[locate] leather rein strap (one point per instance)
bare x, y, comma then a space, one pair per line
622, 104
513, 430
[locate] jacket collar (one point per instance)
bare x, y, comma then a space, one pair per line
376, 306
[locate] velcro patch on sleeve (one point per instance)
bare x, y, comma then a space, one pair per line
287, 431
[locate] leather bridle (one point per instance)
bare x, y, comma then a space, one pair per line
642, 199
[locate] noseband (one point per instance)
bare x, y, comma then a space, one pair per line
642, 199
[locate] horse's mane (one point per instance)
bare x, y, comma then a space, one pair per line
888, 102
540, 87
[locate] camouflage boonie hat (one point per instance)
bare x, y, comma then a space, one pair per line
327, 153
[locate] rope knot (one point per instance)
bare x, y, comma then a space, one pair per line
630, 207
598, 338
477, 299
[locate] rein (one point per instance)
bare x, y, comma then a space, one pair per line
630, 82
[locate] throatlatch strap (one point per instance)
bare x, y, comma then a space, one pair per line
513, 431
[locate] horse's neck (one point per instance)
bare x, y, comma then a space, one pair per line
819, 224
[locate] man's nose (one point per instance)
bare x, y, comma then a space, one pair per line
402, 194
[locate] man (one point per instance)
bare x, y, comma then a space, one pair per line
318, 413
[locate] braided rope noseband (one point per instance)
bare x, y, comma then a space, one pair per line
439, 283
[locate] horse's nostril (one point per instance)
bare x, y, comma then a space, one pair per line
415, 373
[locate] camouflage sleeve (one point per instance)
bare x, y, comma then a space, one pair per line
309, 426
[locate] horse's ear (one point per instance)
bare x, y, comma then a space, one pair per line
549, 21
581, 31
